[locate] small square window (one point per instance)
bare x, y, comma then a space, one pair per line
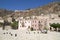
35, 25
32, 25
39, 21
35, 21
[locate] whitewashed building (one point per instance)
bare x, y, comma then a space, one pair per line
24, 24
37, 23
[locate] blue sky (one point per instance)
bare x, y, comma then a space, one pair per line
22, 4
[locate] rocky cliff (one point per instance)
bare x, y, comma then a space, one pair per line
46, 9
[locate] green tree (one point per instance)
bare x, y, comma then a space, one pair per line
14, 25
58, 25
1, 24
54, 25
